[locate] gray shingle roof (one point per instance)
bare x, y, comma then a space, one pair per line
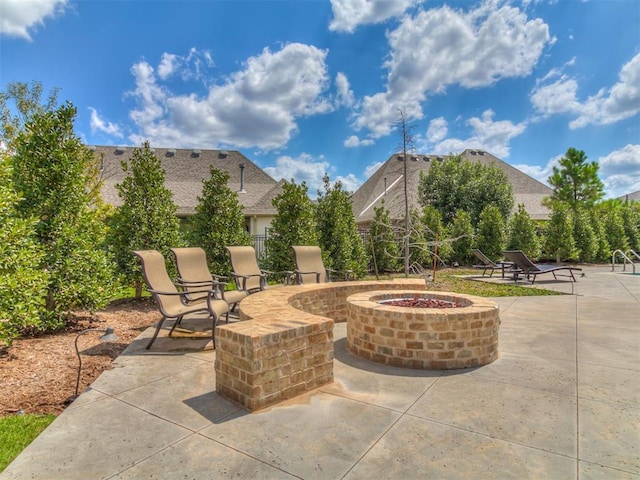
526, 189
185, 169
631, 196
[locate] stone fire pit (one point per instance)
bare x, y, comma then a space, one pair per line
464, 334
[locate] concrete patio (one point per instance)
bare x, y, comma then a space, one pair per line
561, 402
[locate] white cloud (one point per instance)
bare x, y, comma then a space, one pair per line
371, 169
486, 134
100, 125
540, 173
605, 107
349, 14
344, 92
306, 168
557, 97
255, 107
620, 102
437, 130
441, 47
167, 65
620, 171
350, 183
354, 141
303, 168
20, 16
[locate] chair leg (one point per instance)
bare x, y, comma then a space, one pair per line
155, 334
213, 330
178, 320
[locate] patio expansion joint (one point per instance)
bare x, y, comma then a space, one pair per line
493, 437
402, 415
235, 449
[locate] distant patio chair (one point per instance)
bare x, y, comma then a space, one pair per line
530, 269
194, 274
488, 265
310, 267
174, 304
245, 270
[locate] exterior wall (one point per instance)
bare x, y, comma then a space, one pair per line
284, 346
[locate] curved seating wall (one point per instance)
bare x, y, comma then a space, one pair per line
284, 346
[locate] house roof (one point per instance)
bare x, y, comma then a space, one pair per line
631, 196
185, 170
526, 189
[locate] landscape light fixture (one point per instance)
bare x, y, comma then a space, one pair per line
109, 336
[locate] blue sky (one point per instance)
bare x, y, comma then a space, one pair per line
304, 87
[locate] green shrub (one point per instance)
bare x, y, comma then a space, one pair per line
492, 237
218, 222
523, 234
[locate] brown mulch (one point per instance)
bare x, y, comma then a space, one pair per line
38, 374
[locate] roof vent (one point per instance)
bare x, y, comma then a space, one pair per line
401, 157
426, 158
480, 152
171, 152
242, 190
223, 154
120, 150
195, 153
415, 159
440, 159
472, 152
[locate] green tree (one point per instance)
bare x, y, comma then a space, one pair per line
492, 236
559, 241
23, 283
458, 184
294, 224
462, 236
611, 214
338, 234
576, 182
523, 235
436, 234
146, 220
382, 241
218, 221
27, 101
631, 221
56, 176
421, 249
585, 236
597, 224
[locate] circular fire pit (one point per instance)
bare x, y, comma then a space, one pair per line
461, 331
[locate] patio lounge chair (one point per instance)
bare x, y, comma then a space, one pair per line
488, 265
194, 274
310, 267
173, 304
248, 276
532, 270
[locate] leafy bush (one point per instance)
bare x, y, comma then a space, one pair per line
337, 230
382, 241
523, 235
56, 176
492, 237
23, 284
294, 224
218, 222
146, 220
559, 241
462, 236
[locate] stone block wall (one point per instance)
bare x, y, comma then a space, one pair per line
284, 345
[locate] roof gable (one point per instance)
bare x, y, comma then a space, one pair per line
185, 170
387, 184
